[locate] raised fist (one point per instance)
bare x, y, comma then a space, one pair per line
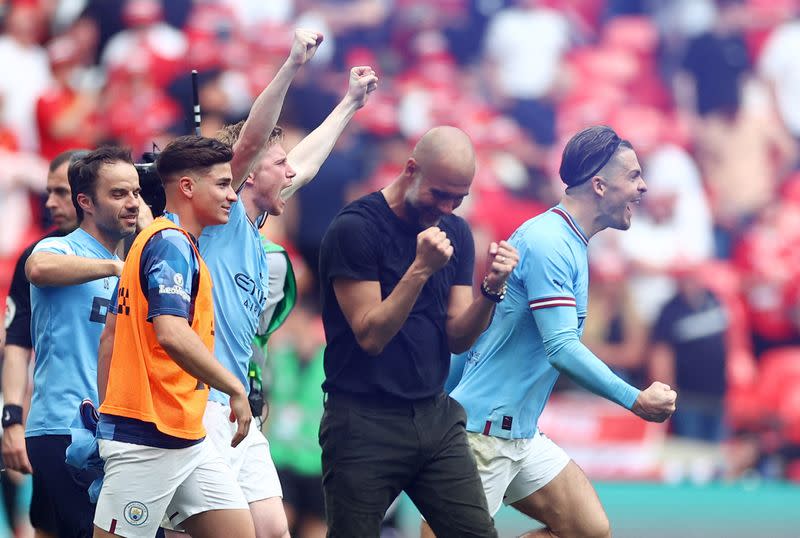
363, 81
656, 403
304, 45
503, 258
433, 249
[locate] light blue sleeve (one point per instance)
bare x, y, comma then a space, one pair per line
559, 329
56, 245
53, 245
457, 365
550, 275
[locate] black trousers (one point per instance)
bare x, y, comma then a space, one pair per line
374, 449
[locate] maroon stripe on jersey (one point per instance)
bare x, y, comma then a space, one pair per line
571, 224
551, 302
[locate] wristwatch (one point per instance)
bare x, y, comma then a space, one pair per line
12, 414
494, 296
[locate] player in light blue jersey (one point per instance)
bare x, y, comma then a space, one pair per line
535, 336
72, 281
238, 264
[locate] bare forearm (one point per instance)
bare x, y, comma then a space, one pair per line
186, 349
50, 269
104, 353
463, 330
260, 122
307, 156
15, 374
382, 323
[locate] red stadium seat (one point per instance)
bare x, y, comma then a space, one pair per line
779, 389
642, 125
605, 64
792, 472
634, 33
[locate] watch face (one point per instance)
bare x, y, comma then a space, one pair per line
11, 311
12, 414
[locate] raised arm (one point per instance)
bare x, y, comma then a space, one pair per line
468, 316
267, 107
374, 321
52, 269
308, 155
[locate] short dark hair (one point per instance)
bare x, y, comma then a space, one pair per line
191, 153
588, 152
82, 172
231, 133
65, 156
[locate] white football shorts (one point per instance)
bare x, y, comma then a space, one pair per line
144, 486
512, 469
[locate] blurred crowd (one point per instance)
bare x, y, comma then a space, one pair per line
702, 292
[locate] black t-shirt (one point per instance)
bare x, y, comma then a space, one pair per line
18, 302
697, 338
717, 64
367, 241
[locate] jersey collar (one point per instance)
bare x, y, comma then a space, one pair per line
574, 226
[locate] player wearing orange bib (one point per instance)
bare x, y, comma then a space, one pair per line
156, 363
146, 384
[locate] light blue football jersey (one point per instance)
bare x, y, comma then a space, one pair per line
238, 265
66, 323
507, 378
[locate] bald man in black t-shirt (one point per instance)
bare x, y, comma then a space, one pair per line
396, 273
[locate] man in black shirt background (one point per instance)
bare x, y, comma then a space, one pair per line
18, 347
689, 351
396, 273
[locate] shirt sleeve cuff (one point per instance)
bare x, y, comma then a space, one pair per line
629, 396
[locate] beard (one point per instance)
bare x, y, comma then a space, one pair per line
422, 218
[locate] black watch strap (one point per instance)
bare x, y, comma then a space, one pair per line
12, 414
494, 296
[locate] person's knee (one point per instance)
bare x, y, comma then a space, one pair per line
594, 525
345, 522
215, 523
588, 522
601, 528
276, 529
269, 518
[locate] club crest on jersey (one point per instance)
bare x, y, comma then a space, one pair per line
178, 279
135, 513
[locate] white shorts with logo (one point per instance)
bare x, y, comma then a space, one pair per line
512, 469
144, 485
250, 460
